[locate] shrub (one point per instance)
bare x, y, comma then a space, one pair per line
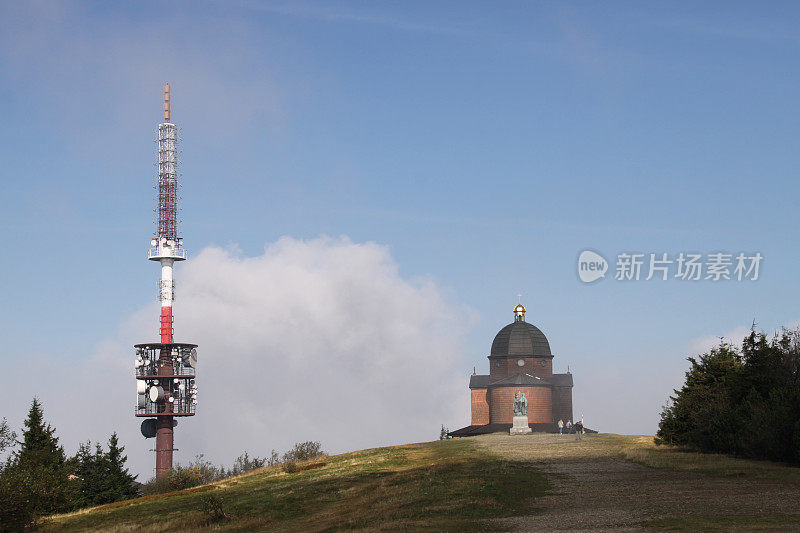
274, 458
213, 507
244, 464
156, 486
30, 492
201, 471
16, 501
198, 472
303, 451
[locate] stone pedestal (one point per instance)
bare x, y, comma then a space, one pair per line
520, 426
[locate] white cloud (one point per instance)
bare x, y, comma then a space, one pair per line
313, 340
735, 337
704, 344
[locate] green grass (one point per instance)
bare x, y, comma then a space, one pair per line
447, 485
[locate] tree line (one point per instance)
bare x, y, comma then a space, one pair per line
743, 401
39, 479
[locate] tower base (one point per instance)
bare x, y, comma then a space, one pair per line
520, 426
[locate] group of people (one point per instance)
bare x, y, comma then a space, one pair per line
577, 428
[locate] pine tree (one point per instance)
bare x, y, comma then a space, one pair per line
35, 481
102, 475
84, 465
39, 445
118, 483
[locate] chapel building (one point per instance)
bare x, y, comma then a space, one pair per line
520, 361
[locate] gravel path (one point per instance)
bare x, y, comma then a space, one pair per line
595, 489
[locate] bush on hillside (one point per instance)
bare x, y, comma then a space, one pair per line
200, 471
244, 464
303, 451
197, 472
214, 509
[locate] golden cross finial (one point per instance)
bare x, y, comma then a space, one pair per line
519, 310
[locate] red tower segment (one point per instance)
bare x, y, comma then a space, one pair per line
166, 324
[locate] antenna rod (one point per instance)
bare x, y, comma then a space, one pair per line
167, 110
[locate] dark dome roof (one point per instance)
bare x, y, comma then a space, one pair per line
521, 338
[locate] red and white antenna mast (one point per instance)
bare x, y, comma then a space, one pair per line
167, 247
165, 370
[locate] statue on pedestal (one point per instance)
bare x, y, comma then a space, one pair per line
520, 404
520, 426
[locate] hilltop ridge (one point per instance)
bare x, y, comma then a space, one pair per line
539, 482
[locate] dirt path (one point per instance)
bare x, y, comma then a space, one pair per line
594, 488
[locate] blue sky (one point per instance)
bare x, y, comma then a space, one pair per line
485, 145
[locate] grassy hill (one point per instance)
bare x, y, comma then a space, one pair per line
492, 482
437, 485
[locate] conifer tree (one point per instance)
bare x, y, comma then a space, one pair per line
118, 483
84, 466
35, 481
39, 445
102, 476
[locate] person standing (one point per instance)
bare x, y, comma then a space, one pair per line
560, 427
578, 430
